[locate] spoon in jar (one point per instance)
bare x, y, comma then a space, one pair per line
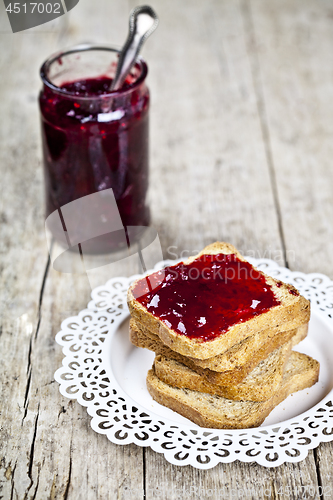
142, 22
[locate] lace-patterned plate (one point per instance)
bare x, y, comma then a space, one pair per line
106, 374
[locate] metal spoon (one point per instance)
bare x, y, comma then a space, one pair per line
142, 22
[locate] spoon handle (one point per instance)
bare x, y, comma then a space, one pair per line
142, 22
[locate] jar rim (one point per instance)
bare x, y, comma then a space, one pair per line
83, 48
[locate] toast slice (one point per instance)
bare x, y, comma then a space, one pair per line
238, 375
217, 412
259, 385
225, 369
289, 307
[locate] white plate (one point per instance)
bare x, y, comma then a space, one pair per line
106, 373
129, 366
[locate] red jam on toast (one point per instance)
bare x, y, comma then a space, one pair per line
205, 298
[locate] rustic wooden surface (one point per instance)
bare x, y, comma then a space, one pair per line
241, 151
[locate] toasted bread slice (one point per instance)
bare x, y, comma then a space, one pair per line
217, 412
259, 385
230, 378
293, 310
227, 368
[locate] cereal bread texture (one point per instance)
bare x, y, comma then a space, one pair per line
293, 311
226, 369
259, 385
213, 411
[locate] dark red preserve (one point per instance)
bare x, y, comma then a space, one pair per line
94, 139
205, 298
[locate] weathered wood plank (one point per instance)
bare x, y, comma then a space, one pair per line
23, 255
209, 178
293, 41
43, 454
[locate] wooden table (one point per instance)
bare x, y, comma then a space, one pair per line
241, 151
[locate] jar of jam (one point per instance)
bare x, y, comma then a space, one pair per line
95, 139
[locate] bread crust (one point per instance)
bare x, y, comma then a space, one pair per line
259, 385
220, 413
229, 367
294, 311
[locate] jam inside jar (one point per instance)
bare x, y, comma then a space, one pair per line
94, 139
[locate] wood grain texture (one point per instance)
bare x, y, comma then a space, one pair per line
241, 123
43, 454
209, 177
293, 41
294, 75
23, 260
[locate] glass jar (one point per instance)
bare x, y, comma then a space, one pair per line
94, 139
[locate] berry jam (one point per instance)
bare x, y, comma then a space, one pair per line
205, 298
93, 140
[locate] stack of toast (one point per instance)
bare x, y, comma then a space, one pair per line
222, 340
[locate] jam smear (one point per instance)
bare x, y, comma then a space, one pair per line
202, 300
